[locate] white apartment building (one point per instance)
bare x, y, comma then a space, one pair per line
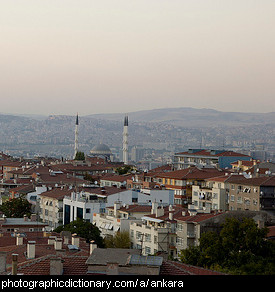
51, 206
119, 217
85, 204
212, 196
82, 205
156, 232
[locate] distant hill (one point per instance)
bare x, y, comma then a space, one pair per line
191, 117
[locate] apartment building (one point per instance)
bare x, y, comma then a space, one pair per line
51, 206
119, 217
181, 181
213, 195
97, 200
156, 232
207, 158
252, 194
87, 201
190, 226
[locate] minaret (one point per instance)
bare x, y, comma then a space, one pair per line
125, 140
76, 136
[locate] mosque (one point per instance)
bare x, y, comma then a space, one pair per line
102, 150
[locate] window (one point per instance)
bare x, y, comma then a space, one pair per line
147, 250
232, 198
179, 241
147, 237
179, 226
88, 210
138, 235
232, 187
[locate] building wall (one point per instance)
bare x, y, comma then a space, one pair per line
51, 211
244, 197
88, 208
214, 198
151, 239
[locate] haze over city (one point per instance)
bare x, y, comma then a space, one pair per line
63, 57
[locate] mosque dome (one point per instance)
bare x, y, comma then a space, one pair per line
101, 149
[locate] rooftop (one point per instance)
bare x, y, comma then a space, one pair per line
211, 153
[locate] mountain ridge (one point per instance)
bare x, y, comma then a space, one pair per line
191, 116
181, 116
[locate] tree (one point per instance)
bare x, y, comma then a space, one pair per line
79, 155
17, 208
124, 170
120, 240
240, 248
83, 229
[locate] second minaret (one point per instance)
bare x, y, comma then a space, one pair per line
125, 140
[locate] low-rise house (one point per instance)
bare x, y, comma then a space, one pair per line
261, 169
24, 224
117, 261
40, 253
115, 180
22, 190
243, 165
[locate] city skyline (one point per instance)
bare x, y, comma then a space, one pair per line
63, 57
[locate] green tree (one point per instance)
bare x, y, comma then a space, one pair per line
79, 156
125, 169
17, 208
240, 248
120, 240
83, 229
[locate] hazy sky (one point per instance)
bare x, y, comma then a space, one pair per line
99, 56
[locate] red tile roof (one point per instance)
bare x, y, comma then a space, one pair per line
72, 265
117, 178
178, 268
192, 173
254, 181
199, 217
57, 193
206, 152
